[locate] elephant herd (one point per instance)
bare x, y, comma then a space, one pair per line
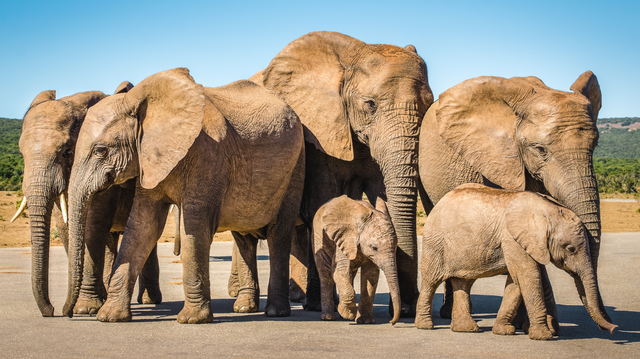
329, 116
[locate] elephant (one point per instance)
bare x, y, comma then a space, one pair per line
476, 231
516, 134
347, 235
361, 106
231, 158
49, 132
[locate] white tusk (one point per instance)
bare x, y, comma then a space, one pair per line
63, 208
171, 208
23, 205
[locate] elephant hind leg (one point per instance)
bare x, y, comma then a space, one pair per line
148, 280
299, 265
461, 320
234, 285
244, 249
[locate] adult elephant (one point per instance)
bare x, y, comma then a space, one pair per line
230, 157
49, 133
515, 134
361, 106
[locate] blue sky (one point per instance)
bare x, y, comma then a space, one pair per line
74, 46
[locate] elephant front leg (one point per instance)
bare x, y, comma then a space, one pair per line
508, 309
327, 284
148, 284
234, 286
461, 320
247, 273
343, 277
369, 276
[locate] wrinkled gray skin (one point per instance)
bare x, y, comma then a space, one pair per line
515, 134
348, 235
231, 159
361, 106
475, 231
49, 133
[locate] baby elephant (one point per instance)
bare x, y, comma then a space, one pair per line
347, 235
477, 231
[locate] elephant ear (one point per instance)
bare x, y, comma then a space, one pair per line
43, 96
170, 111
381, 206
342, 219
527, 223
476, 118
124, 87
308, 74
587, 85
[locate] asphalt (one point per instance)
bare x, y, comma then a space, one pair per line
154, 331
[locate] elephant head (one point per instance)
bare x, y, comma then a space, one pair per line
351, 95
356, 226
49, 133
520, 134
549, 232
143, 133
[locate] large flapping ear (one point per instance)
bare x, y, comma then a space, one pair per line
341, 218
476, 118
124, 87
43, 96
308, 73
587, 85
527, 223
170, 110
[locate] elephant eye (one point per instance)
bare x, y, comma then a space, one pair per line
100, 152
374, 247
68, 153
370, 106
541, 151
570, 248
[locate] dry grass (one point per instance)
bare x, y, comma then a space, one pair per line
616, 217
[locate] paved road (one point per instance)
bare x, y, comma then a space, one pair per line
154, 331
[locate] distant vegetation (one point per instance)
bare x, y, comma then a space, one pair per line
616, 159
11, 162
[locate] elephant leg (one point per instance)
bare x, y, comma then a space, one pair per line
311, 300
233, 286
343, 277
369, 275
299, 265
148, 217
110, 254
447, 300
148, 280
461, 320
510, 303
424, 318
245, 249
327, 284
93, 292
549, 302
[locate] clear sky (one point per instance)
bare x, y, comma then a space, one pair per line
74, 46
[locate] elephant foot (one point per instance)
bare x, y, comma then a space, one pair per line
540, 333
150, 295
111, 312
423, 322
328, 316
247, 302
347, 311
233, 287
276, 308
312, 304
467, 325
296, 294
365, 319
191, 314
86, 305
554, 326
503, 329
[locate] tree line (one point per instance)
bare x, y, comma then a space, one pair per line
616, 158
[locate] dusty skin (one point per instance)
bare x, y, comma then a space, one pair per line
616, 217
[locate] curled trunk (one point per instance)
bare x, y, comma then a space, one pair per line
587, 288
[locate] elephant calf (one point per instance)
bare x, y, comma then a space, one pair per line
476, 231
347, 235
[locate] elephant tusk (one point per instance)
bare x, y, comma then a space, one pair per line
171, 208
63, 208
23, 205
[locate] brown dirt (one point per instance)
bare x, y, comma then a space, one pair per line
616, 217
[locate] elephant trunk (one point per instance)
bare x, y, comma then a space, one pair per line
391, 272
395, 149
79, 200
587, 288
